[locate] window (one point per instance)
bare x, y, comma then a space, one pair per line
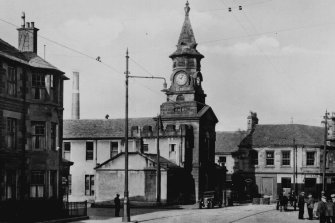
270, 158
67, 150
11, 133
285, 158
37, 184
38, 85
114, 148
145, 148
89, 150
222, 160
172, 147
53, 183
310, 158
254, 157
10, 185
67, 147
89, 185
53, 136
11, 81
38, 135
286, 182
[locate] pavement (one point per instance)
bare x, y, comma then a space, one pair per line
190, 213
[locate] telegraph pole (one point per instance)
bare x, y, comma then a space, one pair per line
294, 166
126, 208
324, 152
158, 183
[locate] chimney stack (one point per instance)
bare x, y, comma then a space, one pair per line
252, 121
75, 96
27, 36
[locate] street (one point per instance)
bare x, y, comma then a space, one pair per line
242, 214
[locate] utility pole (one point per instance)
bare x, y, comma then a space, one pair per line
126, 208
158, 183
324, 152
294, 166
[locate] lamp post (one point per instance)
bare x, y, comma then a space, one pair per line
324, 151
126, 208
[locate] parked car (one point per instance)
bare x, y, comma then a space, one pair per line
210, 199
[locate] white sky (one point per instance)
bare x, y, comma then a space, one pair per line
275, 57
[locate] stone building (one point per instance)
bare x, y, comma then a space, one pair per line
273, 158
187, 141
31, 115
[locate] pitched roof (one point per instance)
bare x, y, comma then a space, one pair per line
227, 142
163, 161
101, 128
283, 135
27, 58
153, 157
270, 136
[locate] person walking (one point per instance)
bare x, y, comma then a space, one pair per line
330, 211
333, 200
322, 209
301, 205
310, 206
117, 205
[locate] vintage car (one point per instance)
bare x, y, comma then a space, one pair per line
210, 199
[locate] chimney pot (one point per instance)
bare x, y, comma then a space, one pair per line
28, 25
32, 24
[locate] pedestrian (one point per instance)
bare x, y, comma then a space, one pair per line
117, 205
310, 206
333, 200
281, 202
285, 202
301, 205
330, 211
322, 209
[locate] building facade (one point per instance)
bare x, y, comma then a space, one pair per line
31, 115
276, 158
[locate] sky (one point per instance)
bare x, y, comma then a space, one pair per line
273, 57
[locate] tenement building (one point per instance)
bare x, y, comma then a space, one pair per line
186, 142
31, 116
275, 158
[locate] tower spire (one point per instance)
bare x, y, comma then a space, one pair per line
186, 42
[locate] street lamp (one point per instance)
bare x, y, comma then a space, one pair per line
126, 208
324, 151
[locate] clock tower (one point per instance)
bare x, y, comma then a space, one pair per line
186, 106
186, 77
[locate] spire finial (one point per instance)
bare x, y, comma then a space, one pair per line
187, 9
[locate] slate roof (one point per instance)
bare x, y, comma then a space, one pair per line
227, 142
101, 128
270, 136
283, 135
26, 58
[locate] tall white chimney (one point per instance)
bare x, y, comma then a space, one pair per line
75, 96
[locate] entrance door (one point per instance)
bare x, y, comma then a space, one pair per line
267, 186
310, 186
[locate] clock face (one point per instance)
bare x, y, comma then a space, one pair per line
181, 78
